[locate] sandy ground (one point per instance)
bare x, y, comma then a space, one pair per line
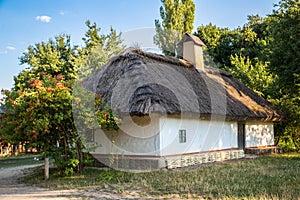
12, 189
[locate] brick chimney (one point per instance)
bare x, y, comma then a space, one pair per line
192, 50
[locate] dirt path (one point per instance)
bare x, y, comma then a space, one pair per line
11, 189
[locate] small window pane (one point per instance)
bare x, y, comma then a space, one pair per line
182, 136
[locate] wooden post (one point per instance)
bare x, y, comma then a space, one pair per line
46, 168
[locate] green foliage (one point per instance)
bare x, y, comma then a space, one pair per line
39, 107
285, 63
254, 76
98, 49
243, 51
251, 41
220, 43
106, 118
88, 159
264, 54
42, 114
91, 111
285, 58
177, 18
53, 57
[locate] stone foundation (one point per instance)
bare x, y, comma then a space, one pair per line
201, 158
263, 150
130, 163
169, 162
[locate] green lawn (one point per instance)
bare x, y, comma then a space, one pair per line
19, 161
267, 177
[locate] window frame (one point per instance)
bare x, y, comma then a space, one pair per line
182, 136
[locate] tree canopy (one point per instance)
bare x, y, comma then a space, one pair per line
39, 106
177, 18
264, 55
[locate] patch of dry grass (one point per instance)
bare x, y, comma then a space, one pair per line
267, 177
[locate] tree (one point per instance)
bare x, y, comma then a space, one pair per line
284, 62
264, 54
243, 51
98, 49
255, 76
220, 43
41, 114
53, 57
285, 46
39, 107
251, 41
177, 18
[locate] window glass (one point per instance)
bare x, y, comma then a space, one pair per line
182, 136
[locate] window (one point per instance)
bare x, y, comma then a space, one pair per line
182, 136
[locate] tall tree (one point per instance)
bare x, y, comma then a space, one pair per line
99, 48
220, 43
256, 76
242, 51
285, 63
252, 41
285, 58
264, 54
177, 18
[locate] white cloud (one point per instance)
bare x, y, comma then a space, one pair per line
10, 48
43, 18
62, 13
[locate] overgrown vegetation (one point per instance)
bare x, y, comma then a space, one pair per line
267, 177
39, 108
264, 55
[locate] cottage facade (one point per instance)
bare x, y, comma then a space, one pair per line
177, 112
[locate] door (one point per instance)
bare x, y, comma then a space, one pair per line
241, 135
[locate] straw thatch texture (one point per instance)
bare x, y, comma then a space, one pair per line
140, 83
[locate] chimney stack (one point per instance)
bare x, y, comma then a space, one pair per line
192, 50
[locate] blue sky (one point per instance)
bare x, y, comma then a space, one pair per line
26, 22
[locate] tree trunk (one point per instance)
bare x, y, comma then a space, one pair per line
79, 157
46, 168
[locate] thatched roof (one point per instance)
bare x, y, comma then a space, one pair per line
140, 83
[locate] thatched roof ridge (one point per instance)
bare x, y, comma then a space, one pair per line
140, 83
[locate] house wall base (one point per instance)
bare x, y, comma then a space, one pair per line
139, 163
131, 163
263, 150
202, 158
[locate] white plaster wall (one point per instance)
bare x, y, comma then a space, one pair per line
133, 138
259, 133
202, 135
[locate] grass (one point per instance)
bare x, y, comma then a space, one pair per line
267, 177
22, 160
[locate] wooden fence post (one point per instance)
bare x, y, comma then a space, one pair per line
46, 168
